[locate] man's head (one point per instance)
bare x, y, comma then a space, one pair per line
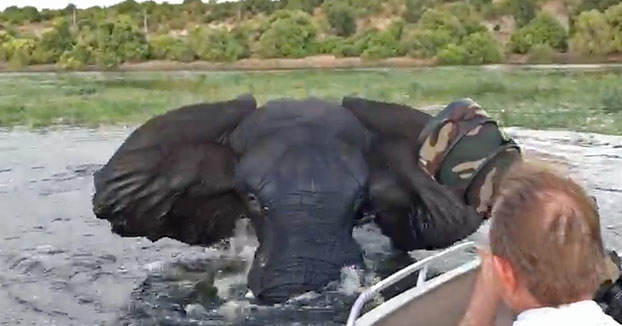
545, 238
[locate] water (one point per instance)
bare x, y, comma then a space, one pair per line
61, 266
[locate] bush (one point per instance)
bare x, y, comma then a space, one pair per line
436, 29
523, 11
53, 43
180, 51
5, 37
541, 53
396, 29
166, 47
121, 39
218, 11
481, 48
330, 45
342, 18
593, 34
160, 45
217, 45
452, 55
18, 51
258, 6
600, 5
614, 18
366, 7
355, 46
476, 49
290, 35
416, 8
381, 45
82, 52
437, 20
109, 44
544, 29
426, 43
71, 63
482, 5
303, 5
467, 14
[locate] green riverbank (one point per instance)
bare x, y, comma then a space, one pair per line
539, 99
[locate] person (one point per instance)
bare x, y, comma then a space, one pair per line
546, 256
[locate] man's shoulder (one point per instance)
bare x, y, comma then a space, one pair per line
584, 313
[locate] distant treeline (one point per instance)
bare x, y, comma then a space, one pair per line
453, 32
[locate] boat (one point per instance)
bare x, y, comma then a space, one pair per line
439, 300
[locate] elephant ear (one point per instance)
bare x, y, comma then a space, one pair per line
173, 176
410, 206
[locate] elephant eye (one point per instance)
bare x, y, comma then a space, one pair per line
253, 203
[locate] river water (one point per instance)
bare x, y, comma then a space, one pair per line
59, 265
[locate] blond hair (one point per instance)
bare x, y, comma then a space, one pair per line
548, 228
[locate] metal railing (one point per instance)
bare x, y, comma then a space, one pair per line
421, 266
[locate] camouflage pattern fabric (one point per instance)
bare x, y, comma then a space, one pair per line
463, 148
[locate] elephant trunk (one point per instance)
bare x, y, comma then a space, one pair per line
299, 261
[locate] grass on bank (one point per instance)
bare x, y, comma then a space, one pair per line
573, 100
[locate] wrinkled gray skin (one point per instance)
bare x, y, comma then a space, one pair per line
303, 171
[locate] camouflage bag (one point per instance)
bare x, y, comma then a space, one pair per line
463, 148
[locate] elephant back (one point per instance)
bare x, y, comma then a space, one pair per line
464, 149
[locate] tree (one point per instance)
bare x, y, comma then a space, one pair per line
220, 10
438, 20
5, 38
522, 10
544, 29
467, 15
17, 15
109, 44
127, 7
481, 48
477, 48
290, 35
53, 42
614, 18
31, 14
258, 6
193, 9
18, 51
600, 5
342, 18
304, 5
593, 34
416, 8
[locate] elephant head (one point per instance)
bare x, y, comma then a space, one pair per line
303, 171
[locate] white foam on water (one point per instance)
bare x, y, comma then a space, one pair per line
234, 310
304, 296
350, 280
155, 266
242, 245
244, 242
195, 309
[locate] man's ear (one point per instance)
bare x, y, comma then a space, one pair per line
506, 274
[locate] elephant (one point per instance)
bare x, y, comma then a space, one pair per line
305, 172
